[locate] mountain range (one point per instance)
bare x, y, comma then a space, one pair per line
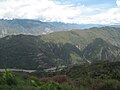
60, 48
36, 27
24, 26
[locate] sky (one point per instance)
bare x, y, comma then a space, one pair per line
67, 11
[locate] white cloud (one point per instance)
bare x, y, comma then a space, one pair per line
118, 3
48, 10
111, 16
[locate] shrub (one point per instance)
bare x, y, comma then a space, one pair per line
62, 79
51, 86
106, 85
9, 78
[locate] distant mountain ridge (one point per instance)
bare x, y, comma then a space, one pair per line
70, 26
24, 26
36, 27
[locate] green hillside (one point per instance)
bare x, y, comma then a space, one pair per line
61, 48
81, 38
100, 50
30, 52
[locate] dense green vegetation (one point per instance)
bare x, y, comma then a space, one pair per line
97, 76
100, 50
22, 81
30, 52
97, 70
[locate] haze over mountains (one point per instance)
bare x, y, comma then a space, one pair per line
36, 27
24, 26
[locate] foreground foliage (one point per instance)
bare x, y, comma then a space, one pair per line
97, 76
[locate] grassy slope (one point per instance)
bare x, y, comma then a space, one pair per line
84, 37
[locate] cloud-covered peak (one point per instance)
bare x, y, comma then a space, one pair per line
50, 10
